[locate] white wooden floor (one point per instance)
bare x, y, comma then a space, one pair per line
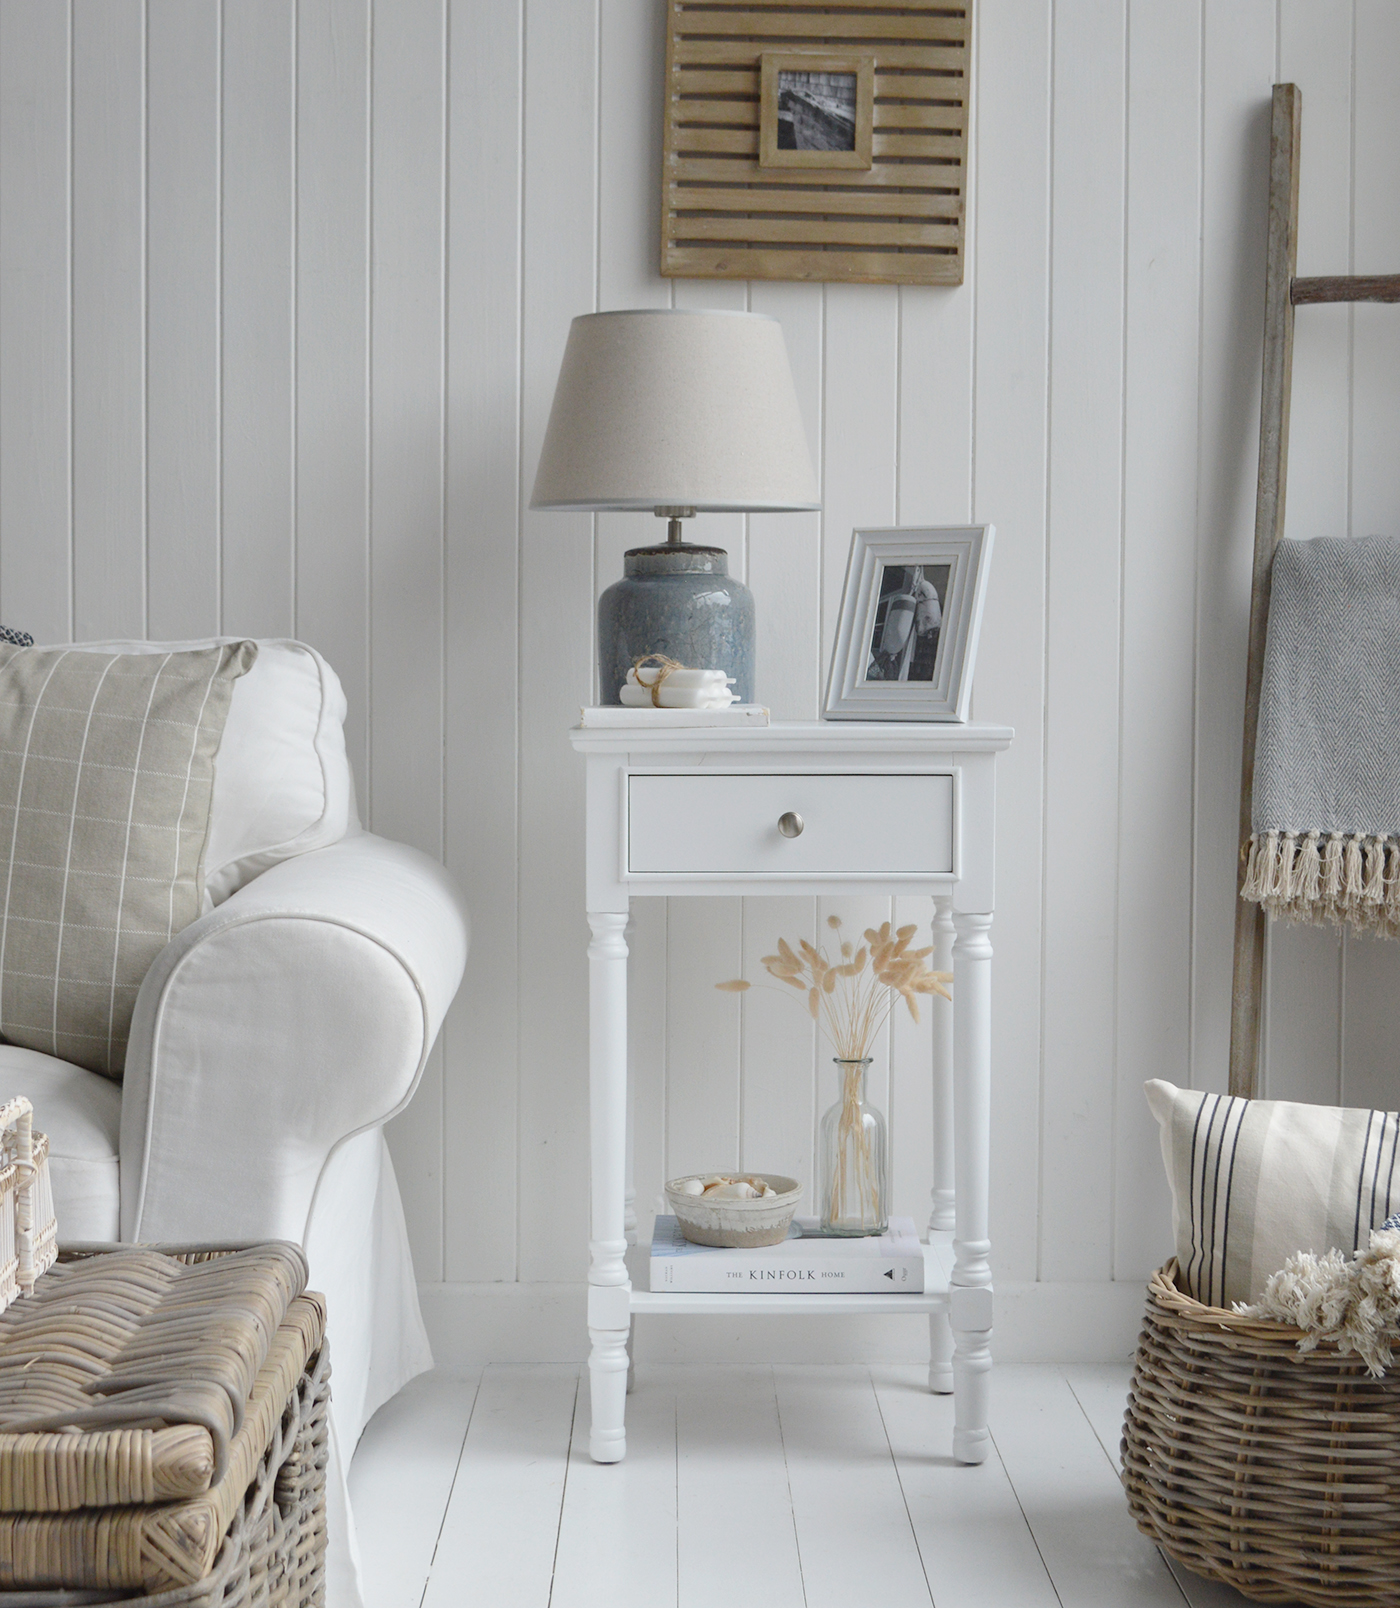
761, 1487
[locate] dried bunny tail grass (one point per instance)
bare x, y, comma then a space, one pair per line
934, 983
872, 980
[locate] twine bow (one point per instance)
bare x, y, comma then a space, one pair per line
663, 667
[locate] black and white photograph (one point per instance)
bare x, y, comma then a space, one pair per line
908, 622
816, 111
911, 610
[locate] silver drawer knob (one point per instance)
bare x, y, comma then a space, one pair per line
791, 824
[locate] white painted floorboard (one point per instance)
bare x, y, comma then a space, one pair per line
401, 1480
790, 1487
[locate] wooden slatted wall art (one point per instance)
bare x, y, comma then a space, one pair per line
735, 207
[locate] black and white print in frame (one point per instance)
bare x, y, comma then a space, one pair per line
906, 641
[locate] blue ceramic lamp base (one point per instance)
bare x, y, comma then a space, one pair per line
678, 600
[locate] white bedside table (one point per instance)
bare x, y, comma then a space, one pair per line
886, 809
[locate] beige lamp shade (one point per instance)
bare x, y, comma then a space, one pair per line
675, 409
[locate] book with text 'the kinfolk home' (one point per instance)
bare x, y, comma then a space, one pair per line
805, 1262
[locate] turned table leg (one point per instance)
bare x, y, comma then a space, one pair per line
941, 1217
609, 1290
629, 1198
970, 1295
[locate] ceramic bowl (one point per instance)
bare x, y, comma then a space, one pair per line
736, 1223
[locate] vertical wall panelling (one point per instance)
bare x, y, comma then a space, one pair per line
934, 485
859, 426
182, 311
1161, 372
785, 550
483, 629
283, 294
704, 946
779, 1099
1237, 78
1010, 261
332, 349
1082, 650
1302, 1042
108, 323
1373, 966
556, 648
259, 309
909, 1094
407, 357
35, 531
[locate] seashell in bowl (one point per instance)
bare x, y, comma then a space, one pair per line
723, 1214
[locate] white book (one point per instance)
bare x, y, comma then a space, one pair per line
612, 715
806, 1262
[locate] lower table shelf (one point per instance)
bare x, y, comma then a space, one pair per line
937, 1265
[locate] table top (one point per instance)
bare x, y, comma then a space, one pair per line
828, 736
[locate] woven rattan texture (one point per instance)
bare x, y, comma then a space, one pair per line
125, 1377
1272, 1470
274, 1554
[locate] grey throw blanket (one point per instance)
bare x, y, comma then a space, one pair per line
1326, 839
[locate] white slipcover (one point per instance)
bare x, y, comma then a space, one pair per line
271, 1041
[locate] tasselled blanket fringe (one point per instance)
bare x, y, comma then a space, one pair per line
1340, 879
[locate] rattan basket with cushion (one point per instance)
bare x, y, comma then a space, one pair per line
163, 1431
1275, 1471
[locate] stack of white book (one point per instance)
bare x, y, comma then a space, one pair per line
807, 1261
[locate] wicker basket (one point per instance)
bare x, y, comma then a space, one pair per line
28, 1232
1274, 1471
241, 1446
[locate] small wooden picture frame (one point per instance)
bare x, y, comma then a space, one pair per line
886, 208
816, 110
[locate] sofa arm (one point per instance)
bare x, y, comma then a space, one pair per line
298, 1013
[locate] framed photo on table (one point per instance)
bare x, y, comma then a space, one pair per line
911, 610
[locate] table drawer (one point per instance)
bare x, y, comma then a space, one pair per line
863, 825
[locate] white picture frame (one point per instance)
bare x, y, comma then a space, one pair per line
911, 611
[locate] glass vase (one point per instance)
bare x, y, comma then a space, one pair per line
853, 1188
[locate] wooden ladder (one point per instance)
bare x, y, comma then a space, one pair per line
1283, 291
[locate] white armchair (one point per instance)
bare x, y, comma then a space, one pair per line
271, 1041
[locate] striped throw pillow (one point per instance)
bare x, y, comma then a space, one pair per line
106, 774
1253, 1181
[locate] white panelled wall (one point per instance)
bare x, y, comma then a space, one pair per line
284, 285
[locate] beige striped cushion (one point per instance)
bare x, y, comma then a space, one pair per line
1255, 1180
106, 772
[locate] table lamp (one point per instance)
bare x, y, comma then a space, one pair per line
672, 412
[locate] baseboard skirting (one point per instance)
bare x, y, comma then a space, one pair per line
471, 1324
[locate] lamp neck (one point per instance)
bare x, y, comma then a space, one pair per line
673, 517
